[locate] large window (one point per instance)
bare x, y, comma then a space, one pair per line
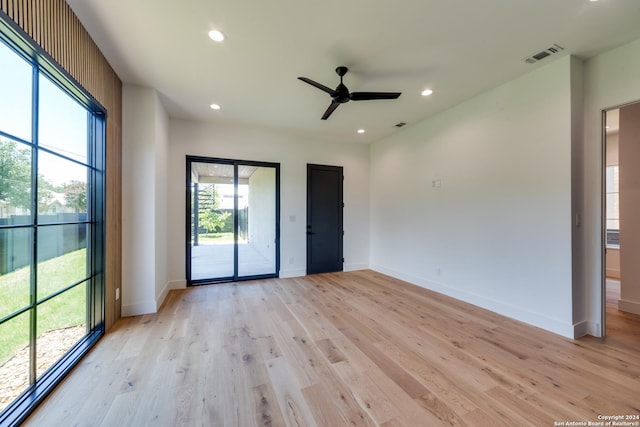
51, 225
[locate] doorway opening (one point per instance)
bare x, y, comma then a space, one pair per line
611, 293
621, 241
232, 221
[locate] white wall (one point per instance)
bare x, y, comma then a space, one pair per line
293, 154
578, 308
160, 168
610, 80
497, 231
262, 212
143, 205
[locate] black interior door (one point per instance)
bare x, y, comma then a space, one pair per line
324, 219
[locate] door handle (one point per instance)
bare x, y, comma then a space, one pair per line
309, 233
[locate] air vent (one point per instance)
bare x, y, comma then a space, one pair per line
532, 59
399, 125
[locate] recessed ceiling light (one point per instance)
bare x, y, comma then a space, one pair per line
360, 130
215, 106
427, 92
216, 36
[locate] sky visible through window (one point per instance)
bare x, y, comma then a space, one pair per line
62, 120
15, 94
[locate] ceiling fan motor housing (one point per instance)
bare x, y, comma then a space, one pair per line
342, 94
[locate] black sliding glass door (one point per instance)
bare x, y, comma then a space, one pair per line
232, 220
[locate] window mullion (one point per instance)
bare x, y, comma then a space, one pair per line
33, 322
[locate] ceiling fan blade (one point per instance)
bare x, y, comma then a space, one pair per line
318, 85
330, 110
365, 96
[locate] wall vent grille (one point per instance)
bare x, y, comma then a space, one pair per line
554, 49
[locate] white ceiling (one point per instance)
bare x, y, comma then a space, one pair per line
459, 48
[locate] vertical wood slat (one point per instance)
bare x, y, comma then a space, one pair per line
54, 27
26, 14
17, 13
61, 29
35, 28
46, 20
40, 7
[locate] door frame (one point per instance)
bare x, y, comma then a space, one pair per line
603, 214
235, 163
603, 222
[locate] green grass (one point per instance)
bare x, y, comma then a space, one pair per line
215, 237
65, 310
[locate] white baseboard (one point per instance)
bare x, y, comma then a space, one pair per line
594, 329
147, 307
139, 308
629, 306
581, 329
553, 325
174, 284
355, 267
293, 273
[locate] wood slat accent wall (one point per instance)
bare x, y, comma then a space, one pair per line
54, 26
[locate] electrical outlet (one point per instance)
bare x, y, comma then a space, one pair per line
117, 294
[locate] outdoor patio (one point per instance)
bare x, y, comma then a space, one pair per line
215, 260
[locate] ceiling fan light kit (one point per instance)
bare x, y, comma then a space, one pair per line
341, 95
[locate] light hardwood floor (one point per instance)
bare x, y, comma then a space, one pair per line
355, 348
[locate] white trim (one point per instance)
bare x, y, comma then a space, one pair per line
535, 319
629, 306
292, 273
594, 329
354, 267
139, 308
175, 284
581, 329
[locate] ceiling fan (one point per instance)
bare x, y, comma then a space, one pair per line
341, 94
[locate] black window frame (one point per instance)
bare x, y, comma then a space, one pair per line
43, 64
188, 225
